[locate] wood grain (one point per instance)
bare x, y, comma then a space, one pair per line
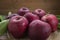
53, 36
14, 5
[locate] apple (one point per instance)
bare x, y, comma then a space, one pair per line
17, 26
31, 17
10, 16
39, 12
39, 30
52, 20
23, 11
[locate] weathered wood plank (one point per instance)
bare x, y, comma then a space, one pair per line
11, 5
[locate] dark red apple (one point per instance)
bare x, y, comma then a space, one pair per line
23, 11
10, 16
39, 12
31, 16
17, 26
52, 20
39, 30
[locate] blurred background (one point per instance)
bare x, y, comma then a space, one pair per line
52, 6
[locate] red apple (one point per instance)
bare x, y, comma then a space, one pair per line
39, 30
39, 12
52, 20
10, 16
17, 26
23, 10
31, 16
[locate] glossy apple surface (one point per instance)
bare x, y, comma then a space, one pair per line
17, 26
39, 30
31, 17
23, 11
52, 20
10, 16
39, 12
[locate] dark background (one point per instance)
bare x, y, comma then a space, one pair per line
52, 6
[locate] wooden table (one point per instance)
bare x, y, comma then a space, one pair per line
53, 36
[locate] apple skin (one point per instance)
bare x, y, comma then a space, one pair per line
31, 17
39, 12
39, 30
23, 11
17, 26
52, 20
10, 16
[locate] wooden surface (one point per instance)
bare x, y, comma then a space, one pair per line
52, 6
53, 36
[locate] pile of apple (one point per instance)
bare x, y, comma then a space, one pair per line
37, 24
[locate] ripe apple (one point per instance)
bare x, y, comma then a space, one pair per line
52, 20
10, 16
39, 30
23, 11
17, 26
31, 17
39, 12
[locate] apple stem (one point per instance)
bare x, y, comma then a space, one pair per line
39, 10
